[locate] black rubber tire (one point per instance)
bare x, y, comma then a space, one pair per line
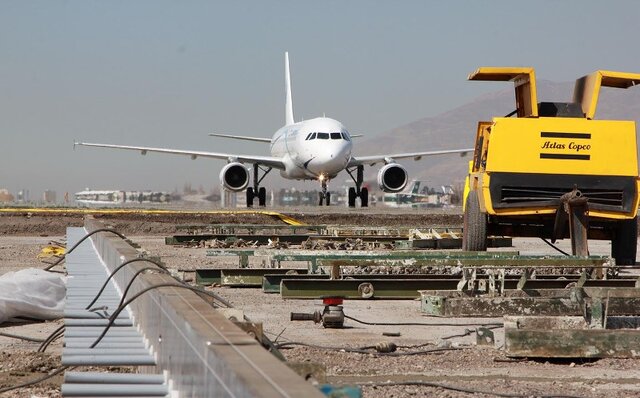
328, 201
321, 196
262, 197
250, 196
474, 234
624, 244
364, 197
352, 197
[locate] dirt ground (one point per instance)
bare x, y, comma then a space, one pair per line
462, 365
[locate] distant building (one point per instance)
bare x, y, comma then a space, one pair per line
49, 196
5, 196
23, 196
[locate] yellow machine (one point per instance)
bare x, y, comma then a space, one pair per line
522, 166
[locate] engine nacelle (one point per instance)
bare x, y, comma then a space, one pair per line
392, 178
234, 177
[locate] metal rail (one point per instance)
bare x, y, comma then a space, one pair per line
202, 352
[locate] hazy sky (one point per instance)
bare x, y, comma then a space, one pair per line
166, 73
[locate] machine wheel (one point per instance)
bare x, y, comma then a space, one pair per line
321, 196
328, 198
364, 197
624, 244
474, 236
352, 197
262, 196
250, 195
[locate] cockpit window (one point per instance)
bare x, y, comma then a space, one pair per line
336, 136
323, 136
308, 137
345, 136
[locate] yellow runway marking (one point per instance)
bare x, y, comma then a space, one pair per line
283, 217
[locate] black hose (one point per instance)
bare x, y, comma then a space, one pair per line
117, 312
34, 382
555, 247
50, 338
126, 290
419, 323
113, 231
366, 350
118, 268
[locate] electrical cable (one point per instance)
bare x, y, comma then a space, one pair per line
113, 231
26, 338
52, 339
461, 389
126, 290
36, 381
49, 338
555, 247
419, 323
364, 350
118, 268
117, 312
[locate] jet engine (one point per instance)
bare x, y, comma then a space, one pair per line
392, 178
234, 177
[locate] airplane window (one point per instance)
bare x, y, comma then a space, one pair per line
336, 136
313, 136
323, 136
308, 137
345, 136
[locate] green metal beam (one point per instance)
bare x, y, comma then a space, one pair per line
569, 337
408, 288
247, 277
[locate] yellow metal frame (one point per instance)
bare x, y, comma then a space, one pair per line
524, 80
587, 88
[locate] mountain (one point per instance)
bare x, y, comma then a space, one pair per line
457, 129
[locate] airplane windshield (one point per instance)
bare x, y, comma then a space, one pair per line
323, 136
336, 136
345, 136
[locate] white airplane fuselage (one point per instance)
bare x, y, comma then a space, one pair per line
315, 149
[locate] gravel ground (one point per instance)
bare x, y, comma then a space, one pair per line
465, 367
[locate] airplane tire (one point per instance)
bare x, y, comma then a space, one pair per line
364, 197
321, 196
250, 197
328, 202
352, 197
474, 233
262, 197
624, 245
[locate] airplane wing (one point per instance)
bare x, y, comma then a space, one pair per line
268, 161
372, 160
241, 137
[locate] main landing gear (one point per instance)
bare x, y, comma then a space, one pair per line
358, 191
256, 191
325, 195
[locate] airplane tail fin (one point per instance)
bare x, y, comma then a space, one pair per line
416, 187
288, 112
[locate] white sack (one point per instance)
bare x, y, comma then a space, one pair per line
32, 293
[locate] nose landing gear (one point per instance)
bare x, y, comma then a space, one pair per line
325, 195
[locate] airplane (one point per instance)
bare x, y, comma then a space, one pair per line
316, 149
407, 196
